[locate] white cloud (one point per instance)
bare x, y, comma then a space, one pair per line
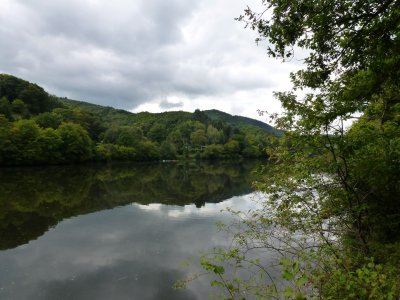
242, 203
139, 54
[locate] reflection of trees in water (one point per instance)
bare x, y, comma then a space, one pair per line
33, 200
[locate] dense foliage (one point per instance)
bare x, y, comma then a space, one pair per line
332, 196
36, 128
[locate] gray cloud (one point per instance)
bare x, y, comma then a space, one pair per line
126, 53
165, 104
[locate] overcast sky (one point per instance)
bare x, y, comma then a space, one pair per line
142, 55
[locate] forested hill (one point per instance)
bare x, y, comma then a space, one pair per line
214, 115
38, 128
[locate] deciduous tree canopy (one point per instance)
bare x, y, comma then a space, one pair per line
332, 193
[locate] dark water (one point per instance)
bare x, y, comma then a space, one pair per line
113, 232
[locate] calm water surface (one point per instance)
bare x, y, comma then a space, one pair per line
115, 231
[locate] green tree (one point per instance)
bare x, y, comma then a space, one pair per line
10, 86
352, 67
50, 143
232, 147
5, 108
76, 143
147, 150
89, 121
128, 136
25, 139
7, 148
332, 192
20, 109
214, 135
200, 116
48, 120
35, 98
157, 133
167, 150
198, 138
181, 135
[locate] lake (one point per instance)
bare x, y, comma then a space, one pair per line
118, 231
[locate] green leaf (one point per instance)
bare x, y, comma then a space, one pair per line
215, 283
288, 292
301, 281
287, 275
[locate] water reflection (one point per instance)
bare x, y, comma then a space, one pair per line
128, 252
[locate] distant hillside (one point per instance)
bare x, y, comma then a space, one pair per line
122, 117
214, 114
38, 128
112, 114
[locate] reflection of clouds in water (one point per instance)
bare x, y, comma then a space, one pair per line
98, 255
242, 203
151, 206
